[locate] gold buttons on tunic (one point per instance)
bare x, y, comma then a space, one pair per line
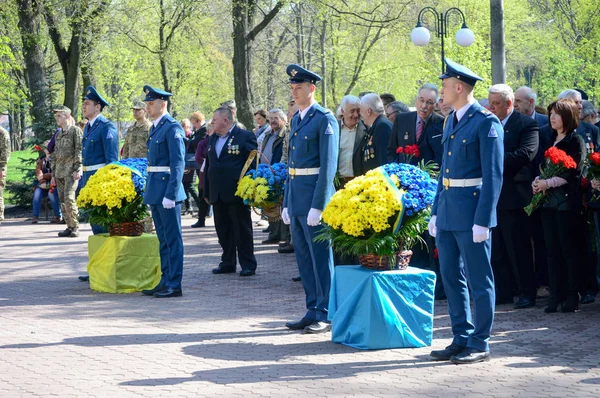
447, 170
305, 137
464, 141
293, 147
452, 136
295, 133
449, 153
474, 193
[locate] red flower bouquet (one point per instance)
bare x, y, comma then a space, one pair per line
409, 152
557, 161
593, 172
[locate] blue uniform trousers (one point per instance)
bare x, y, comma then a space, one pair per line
466, 265
168, 229
315, 264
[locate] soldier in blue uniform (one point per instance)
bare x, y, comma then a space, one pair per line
164, 190
100, 144
312, 161
463, 212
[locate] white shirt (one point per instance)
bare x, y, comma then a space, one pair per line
221, 140
305, 111
533, 115
155, 122
503, 121
461, 112
91, 122
347, 139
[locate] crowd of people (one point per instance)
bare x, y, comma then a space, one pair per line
489, 152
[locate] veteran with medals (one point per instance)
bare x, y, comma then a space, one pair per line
464, 211
312, 162
164, 190
228, 150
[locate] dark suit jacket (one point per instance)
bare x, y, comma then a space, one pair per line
431, 147
221, 174
590, 135
361, 129
375, 143
541, 119
404, 133
277, 145
521, 141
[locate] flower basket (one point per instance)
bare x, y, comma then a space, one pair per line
127, 229
262, 188
398, 261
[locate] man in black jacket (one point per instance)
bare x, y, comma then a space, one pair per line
373, 150
409, 128
227, 152
512, 254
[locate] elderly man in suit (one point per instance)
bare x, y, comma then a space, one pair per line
314, 146
512, 255
525, 101
409, 128
393, 109
352, 131
274, 149
164, 190
227, 152
373, 150
463, 212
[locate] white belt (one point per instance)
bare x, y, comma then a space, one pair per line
461, 183
159, 169
304, 172
93, 167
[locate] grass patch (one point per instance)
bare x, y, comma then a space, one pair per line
16, 170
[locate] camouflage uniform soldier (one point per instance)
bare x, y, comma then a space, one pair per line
4, 155
137, 135
67, 168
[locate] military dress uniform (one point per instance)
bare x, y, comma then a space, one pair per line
4, 156
312, 162
100, 145
468, 190
165, 170
67, 160
136, 138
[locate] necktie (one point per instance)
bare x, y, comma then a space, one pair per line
419, 129
455, 120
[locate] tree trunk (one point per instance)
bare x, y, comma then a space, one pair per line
497, 41
73, 71
30, 12
324, 65
242, 63
87, 73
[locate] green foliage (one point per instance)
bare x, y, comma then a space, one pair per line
134, 211
20, 190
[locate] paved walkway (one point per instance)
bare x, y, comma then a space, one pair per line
226, 336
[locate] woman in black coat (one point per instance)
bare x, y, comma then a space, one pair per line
560, 212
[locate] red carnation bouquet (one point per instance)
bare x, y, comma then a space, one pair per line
593, 172
409, 152
557, 162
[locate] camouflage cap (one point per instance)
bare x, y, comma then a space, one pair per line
138, 105
61, 108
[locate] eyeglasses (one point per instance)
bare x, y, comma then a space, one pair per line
428, 103
390, 114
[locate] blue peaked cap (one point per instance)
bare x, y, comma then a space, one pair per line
155, 93
300, 75
460, 72
92, 95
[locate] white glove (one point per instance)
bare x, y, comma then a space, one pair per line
480, 234
285, 217
314, 217
431, 226
76, 176
168, 203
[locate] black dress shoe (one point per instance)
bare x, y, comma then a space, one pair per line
470, 355
266, 230
270, 241
65, 234
524, 302
286, 249
318, 327
247, 272
221, 270
300, 325
157, 288
168, 292
447, 353
199, 224
588, 299
84, 278
297, 279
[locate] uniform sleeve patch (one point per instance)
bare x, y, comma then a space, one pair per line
109, 136
178, 135
493, 133
329, 129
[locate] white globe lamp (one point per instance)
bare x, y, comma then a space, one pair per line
420, 35
465, 36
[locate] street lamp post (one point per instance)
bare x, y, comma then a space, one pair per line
420, 35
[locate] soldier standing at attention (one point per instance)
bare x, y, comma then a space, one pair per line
312, 161
463, 212
164, 190
66, 170
100, 143
137, 135
4, 155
